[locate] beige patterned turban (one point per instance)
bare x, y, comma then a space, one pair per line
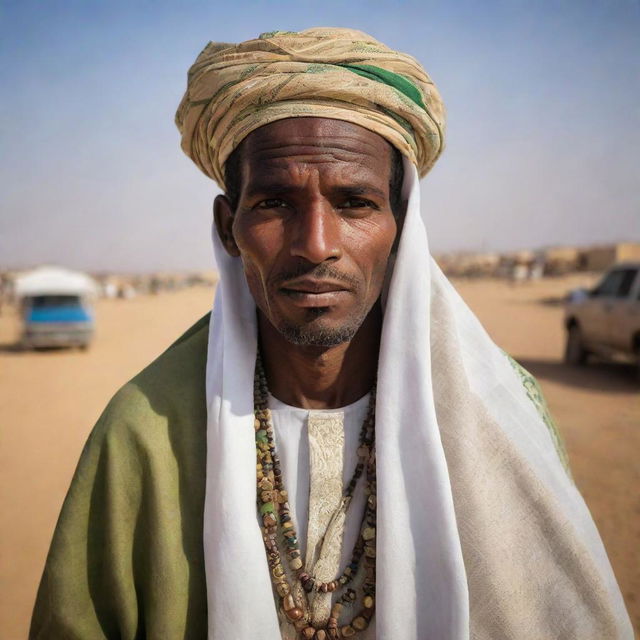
322, 72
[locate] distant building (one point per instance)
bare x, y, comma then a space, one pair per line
602, 257
561, 260
469, 264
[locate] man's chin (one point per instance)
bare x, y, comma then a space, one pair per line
318, 334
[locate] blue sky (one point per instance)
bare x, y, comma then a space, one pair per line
543, 122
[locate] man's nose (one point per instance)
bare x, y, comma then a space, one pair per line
316, 233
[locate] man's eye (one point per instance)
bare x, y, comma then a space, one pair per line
357, 203
271, 203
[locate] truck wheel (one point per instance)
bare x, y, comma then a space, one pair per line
575, 354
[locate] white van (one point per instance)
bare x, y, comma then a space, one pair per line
57, 308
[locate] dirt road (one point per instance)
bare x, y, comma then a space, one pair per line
50, 400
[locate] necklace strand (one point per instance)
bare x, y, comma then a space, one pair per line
276, 518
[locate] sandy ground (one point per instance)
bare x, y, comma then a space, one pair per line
50, 400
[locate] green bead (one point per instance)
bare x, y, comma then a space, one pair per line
267, 507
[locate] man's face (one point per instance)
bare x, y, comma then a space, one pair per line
313, 227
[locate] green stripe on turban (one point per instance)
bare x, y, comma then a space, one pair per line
387, 77
323, 72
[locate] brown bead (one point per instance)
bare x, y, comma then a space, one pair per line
370, 551
278, 571
308, 633
321, 634
332, 623
295, 564
336, 610
348, 631
368, 602
359, 623
369, 533
294, 614
269, 520
288, 602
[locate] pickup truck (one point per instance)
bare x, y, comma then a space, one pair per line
605, 321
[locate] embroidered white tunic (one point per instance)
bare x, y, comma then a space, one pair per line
318, 453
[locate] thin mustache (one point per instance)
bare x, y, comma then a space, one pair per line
321, 271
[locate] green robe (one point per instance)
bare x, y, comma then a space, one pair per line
127, 558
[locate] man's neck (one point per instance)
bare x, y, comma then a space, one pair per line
321, 377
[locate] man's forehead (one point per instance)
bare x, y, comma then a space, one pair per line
315, 138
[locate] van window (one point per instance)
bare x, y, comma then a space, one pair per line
44, 302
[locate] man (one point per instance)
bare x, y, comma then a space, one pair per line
408, 480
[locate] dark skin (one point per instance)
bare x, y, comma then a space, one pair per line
314, 228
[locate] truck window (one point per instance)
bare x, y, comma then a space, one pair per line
628, 278
616, 284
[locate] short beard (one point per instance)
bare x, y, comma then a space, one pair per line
311, 336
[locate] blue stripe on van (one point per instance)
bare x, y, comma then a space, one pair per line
59, 314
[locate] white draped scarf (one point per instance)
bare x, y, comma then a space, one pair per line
481, 533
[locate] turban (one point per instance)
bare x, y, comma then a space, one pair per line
322, 72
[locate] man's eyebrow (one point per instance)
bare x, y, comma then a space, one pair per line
359, 190
257, 189
261, 188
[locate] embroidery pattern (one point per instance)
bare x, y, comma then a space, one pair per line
534, 393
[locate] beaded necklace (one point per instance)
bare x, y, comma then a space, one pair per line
276, 519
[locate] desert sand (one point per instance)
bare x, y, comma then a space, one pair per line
50, 400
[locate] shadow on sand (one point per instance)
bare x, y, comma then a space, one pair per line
595, 376
11, 347
18, 347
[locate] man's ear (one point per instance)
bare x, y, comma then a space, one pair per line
402, 214
223, 215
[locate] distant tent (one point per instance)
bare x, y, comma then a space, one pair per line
54, 281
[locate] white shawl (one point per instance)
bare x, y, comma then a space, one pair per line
481, 533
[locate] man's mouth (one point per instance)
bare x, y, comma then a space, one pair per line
311, 292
